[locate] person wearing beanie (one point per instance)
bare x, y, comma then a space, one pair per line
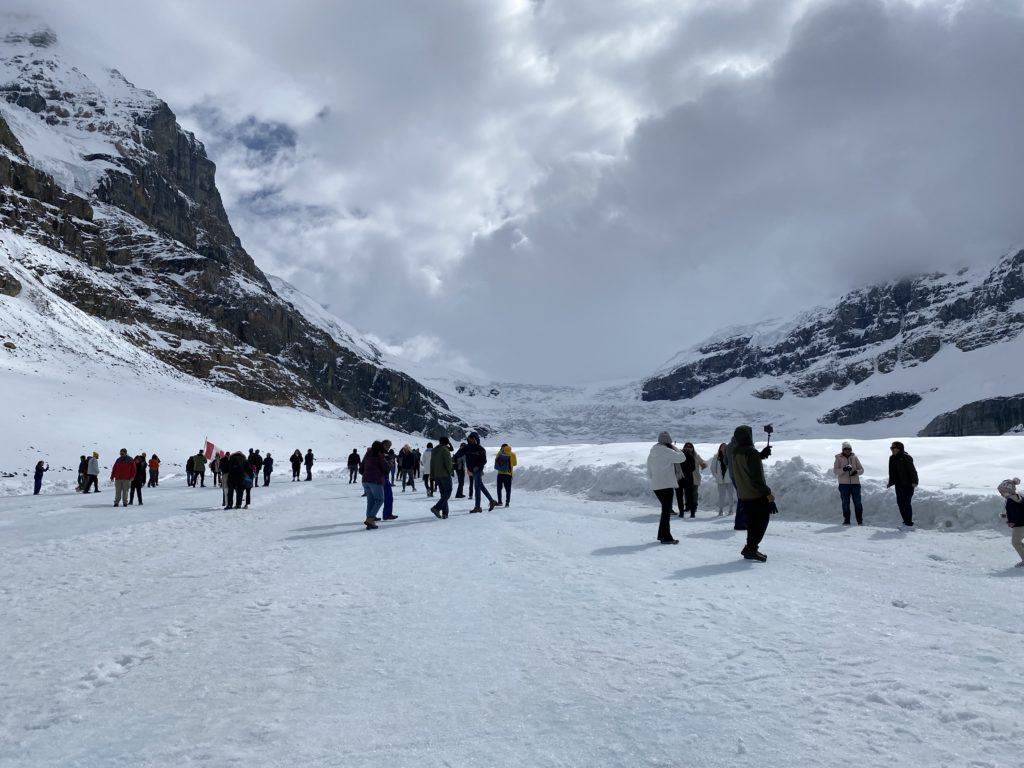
1014, 515
662, 462
903, 475
848, 470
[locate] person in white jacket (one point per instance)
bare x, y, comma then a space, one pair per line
662, 462
848, 470
726, 490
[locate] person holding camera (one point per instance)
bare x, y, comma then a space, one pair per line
747, 468
848, 470
903, 475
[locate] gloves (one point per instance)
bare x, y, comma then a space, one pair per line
848, 469
773, 508
854, 473
766, 452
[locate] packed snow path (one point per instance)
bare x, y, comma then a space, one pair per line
553, 633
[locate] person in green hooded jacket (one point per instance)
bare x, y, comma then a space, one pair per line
747, 469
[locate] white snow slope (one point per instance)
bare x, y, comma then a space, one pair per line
552, 633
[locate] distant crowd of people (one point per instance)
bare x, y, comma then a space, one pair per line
380, 466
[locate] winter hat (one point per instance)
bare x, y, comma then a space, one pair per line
847, 445
665, 438
1008, 488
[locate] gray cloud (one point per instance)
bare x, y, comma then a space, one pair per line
567, 190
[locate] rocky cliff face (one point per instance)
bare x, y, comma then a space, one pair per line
102, 171
992, 416
867, 335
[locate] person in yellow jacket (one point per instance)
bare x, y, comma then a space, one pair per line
505, 463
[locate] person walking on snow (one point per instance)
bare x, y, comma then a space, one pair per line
723, 479
257, 467
476, 460
848, 469
215, 468
460, 470
505, 462
83, 472
689, 481
428, 480
139, 480
1014, 515
154, 471
903, 475
268, 469
296, 461
122, 474
662, 472
236, 473
309, 463
190, 475
92, 474
199, 470
353, 466
37, 478
418, 458
387, 511
747, 469
374, 469
407, 467
440, 470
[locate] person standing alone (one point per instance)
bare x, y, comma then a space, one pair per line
37, 479
268, 468
296, 462
1014, 515
309, 463
848, 470
353, 466
505, 463
903, 475
747, 467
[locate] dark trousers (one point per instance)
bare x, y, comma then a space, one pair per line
428, 484
154, 478
904, 493
847, 492
505, 481
296, 468
408, 478
234, 496
444, 487
664, 528
37, 485
740, 521
256, 478
461, 474
201, 478
352, 473
758, 512
686, 497
92, 481
266, 476
136, 491
309, 471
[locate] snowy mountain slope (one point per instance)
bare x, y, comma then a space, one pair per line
98, 169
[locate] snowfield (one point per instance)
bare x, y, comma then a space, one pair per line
554, 633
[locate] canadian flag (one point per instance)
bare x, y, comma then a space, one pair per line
209, 450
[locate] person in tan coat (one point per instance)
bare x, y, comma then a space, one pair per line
848, 470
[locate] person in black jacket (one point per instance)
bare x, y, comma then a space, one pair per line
902, 475
83, 472
1014, 515
38, 477
476, 460
257, 465
190, 475
235, 478
296, 462
353, 466
268, 468
139, 480
309, 463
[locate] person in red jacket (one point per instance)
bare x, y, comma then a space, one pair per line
122, 473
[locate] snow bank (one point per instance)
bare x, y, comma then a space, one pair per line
957, 492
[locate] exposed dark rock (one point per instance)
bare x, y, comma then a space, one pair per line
874, 408
770, 393
867, 332
993, 416
9, 284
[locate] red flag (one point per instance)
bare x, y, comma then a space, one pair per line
209, 449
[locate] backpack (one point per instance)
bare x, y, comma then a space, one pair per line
503, 463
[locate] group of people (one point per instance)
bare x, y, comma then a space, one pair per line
438, 465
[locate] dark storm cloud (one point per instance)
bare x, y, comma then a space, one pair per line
565, 190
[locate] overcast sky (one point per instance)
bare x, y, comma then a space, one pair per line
571, 190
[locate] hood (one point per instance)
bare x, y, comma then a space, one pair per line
507, 450
743, 436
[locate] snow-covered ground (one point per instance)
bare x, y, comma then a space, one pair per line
555, 632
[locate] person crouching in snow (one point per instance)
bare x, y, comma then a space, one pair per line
848, 470
1014, 515
662, 462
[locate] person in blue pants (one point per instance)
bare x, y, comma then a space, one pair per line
476, 462
389, 496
